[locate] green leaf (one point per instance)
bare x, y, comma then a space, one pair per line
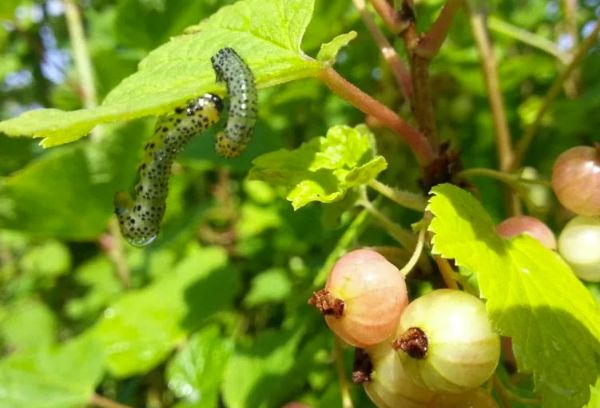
324, 168
141, 328
99, 279
7, 8
594, 401
255, 375
532, 297
26, 325
272, 285
49, 260
266, 34
60, 377
196, 371
330, 50
140, 24
8, 64
68, 192
255, 220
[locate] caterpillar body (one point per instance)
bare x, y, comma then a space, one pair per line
139, 217
230, 68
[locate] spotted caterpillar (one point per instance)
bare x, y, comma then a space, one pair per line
140, 217
230, 68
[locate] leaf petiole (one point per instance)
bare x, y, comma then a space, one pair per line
403, 198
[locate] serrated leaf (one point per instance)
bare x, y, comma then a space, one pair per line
196, 371
59, 377
329, 51
266, 34
532, 296
141, 328
324, 168
594, 401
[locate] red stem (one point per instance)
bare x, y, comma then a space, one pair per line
431, 42
366, 104
388, 15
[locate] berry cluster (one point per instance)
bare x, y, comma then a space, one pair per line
576, 183
435, 351
439, 349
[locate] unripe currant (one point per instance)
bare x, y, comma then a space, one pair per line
576, 180
476, 398
363, 298
524, 224
388, 385
579, 245
446, 341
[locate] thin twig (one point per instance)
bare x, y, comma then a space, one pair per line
338, 355
422, 103
401, 235
431, 42
492, 83
103, 402
368, 105
570, 12
525, 141
511, 179
113, 247
398, 69
506, 178
527, 37
570, 23
388, 15
404, 198
81, 54
416, 254
515, 182
110, 243
446, 272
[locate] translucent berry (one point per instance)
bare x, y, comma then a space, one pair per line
576, 180
446, 341
579, 245
389, 386
524, 224
363, 298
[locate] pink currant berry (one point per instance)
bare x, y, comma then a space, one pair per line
579, 245
576, 180
363, 298
524, 224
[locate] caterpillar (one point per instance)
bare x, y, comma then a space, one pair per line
230, 68
140, 217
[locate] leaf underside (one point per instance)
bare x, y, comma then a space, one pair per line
266, 34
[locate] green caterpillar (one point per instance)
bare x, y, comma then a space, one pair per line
140, 217
230, 68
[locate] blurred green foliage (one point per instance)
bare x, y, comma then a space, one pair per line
214, 313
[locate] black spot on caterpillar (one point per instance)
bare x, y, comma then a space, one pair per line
230, 68
140, 217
